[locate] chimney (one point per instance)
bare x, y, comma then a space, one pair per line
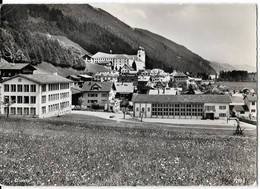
110, 51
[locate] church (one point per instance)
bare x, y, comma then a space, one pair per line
118, 61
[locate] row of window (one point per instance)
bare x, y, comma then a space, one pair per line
21, 99
20, 111
178, 105
19, 88
53, 97
55, 107
64, 95
96, 95
57, 86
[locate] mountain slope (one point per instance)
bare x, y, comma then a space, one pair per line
96, 30
222, 67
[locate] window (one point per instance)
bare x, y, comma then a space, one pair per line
19, 111
13, 111
64, 86
43, 87
43, 109
253, 103
210, 108
92, 95
103, 95
33, 111
19, 99
222, 115
6, 99
26, 88
20, 80
137, 109
222, 107
5, 110
253, 110
44, 99
148, 109
13, 88
33, 99
26, 111
26, 99
19, 88
53, 87
33, 88
6, 88
13, 99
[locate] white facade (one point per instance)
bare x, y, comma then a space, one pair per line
252, 106
32, 99
120, 60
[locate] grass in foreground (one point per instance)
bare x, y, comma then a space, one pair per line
85, 150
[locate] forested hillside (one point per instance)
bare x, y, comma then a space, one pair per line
26, 35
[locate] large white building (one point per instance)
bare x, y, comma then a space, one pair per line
118, 61
37, 95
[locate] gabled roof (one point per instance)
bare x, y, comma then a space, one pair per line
237, 99
240, 108
73, 77
251, 98
76, 90
16, 66
42, 78
181, 98
103, 86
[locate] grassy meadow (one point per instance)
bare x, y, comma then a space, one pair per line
85, 150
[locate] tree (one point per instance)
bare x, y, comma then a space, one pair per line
124, 104
134, 66
7, 103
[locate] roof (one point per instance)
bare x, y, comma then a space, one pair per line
16, 66
42, 78
181, 98
124, 87
240, 108
76, 90
251, 98
180, 75
119, 56
237, 99
73, 77
103, 86
85, 76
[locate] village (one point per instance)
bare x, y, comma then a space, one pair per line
127, 88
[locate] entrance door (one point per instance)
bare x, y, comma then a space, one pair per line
210, 116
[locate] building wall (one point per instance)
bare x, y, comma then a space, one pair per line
220, 111
101, 98
180, 110
59, 102
169, 111
252, 106
21, 81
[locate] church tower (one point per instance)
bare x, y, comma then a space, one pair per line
141, 54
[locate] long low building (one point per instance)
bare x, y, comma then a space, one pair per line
181, 106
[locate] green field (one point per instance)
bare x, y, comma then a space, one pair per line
85, 150
238, 85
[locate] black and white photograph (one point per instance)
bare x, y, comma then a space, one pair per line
128, 94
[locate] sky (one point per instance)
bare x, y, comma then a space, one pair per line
225, 33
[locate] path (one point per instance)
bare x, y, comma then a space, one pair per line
193, 123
